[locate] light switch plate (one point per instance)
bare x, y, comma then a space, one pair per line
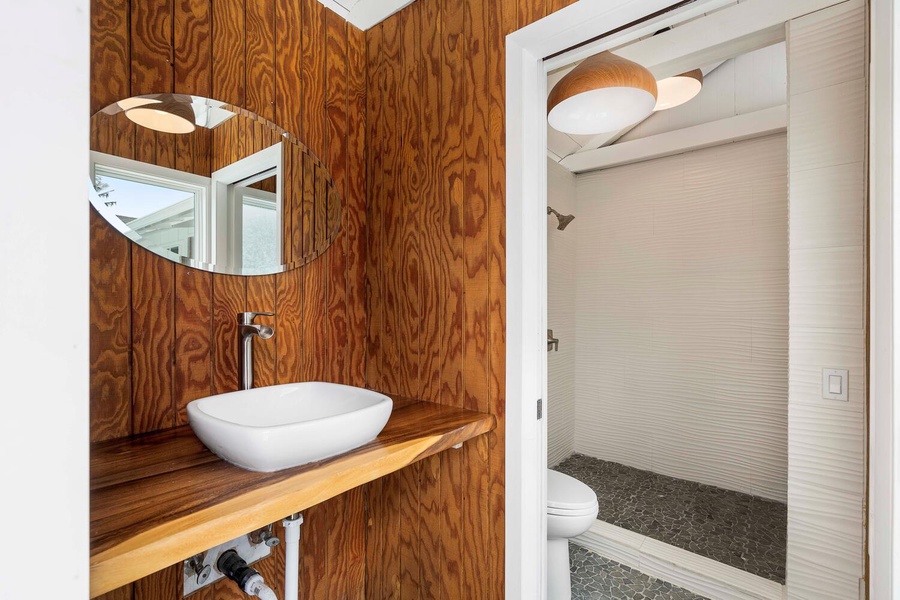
828, 384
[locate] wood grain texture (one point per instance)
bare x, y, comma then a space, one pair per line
374, 181
262, 297
355, 223
193, 339
110, 356
153, 340
152, 69
228, 57
336, 155
163, 497
435, 270
503, 20
229, 298
260, 57
193, 47
401, 135
110, 53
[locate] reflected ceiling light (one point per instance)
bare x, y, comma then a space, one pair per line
675, 91
604, 93
168, 116
129, 103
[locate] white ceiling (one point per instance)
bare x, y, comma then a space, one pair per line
748, 83
740, 48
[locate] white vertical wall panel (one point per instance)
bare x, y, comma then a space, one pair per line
827, 139
681, 304
561, 315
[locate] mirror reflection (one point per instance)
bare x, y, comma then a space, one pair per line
210, 185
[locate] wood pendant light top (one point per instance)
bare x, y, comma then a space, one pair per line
602, 70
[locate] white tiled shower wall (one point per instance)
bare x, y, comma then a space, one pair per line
561, 314
681, 316
827, 141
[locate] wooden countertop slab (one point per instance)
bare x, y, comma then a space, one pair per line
160, 498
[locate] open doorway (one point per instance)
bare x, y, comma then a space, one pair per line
826, 332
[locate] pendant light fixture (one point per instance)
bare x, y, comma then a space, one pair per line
602, 94
675, 91
168, 116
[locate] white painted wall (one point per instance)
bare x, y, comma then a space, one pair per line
681, 304
827, 139
561, 315
44, 299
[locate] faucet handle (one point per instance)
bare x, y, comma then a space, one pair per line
246, 318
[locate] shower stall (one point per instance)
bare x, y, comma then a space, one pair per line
668, 384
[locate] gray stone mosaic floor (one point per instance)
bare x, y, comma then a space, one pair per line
598, 578
736, 529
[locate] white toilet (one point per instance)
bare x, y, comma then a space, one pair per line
571, 510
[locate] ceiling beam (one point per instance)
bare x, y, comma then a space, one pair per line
733, 129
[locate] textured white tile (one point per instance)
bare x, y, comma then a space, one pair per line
827, 288
815, 349
825, 536
827, 126
682, 307
828, 207
561, 316
828, 47
826, 448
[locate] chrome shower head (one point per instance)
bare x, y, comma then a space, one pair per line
564, 220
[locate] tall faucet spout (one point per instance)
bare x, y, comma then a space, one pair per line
247, 329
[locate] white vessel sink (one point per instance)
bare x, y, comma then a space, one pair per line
282, 426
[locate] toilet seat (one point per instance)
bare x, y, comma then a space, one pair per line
568, 497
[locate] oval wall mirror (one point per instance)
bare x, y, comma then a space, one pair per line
210, 185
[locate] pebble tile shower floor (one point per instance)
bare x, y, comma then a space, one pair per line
598, 578
736, 529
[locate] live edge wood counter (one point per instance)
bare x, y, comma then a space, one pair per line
160, 498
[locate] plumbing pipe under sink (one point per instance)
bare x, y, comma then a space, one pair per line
292, 555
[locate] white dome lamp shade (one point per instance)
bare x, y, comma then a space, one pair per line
675, 91
168, 116
602, 94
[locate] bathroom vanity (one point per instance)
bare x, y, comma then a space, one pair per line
160, 498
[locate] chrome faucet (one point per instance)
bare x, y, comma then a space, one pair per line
246, 330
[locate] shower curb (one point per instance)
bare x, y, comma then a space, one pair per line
682, 568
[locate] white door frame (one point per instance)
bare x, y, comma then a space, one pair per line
526, 436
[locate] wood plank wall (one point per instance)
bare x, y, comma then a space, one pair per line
409, 119
436, 273
161, 334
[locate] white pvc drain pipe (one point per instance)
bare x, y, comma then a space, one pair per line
292, 555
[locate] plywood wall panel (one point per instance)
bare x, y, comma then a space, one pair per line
260, 52
110, 53
193, 47
355, 223
110, 314
153, 340
152, 68
262, 297
336, 126
228, 58
193, 339
375, 182
387, 305
229, 299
